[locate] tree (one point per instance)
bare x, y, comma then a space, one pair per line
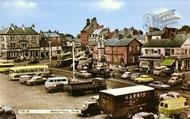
185, 28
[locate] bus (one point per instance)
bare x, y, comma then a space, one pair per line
16, 72
4, 67
125, 102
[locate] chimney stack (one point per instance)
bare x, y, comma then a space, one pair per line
87, 21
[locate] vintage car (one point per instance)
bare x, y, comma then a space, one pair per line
7, 113
126, 75
145, 115
56, 84
135, 75
83, 73
159, 85
176, 78
36, 80
90, 108
143, 79
24, 78
169, 95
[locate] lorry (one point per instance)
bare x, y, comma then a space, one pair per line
79, 88
125, 102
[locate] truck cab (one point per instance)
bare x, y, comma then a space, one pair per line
90, 108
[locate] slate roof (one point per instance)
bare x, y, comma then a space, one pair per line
50, 34
97, 31
118, 42
176, 42
18, 30
156, 33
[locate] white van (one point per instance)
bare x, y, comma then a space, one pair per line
56, 83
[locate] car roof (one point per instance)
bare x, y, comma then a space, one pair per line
25, 76
37, 77
144, 113
58, 77
172, 92
6, 108
174, 100
89, 102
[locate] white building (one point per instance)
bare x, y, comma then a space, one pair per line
155, 51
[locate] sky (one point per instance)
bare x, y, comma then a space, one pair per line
69, 16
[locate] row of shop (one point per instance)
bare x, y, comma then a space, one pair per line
178, 64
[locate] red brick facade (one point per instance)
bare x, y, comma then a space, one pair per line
118, 55
124, 54
88, 30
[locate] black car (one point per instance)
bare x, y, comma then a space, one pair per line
90, 108
64, 63
7, 113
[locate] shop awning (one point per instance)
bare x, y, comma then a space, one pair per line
168, 62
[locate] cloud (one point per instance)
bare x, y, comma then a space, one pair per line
110, 4
19, 5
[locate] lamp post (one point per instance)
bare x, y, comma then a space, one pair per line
73, 51
50, 51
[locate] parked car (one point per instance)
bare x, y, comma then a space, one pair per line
90, 108
65, 62
83, 73
24, 78
56, 83
159, 85
126, 75
145, 115
143, 79
176, 78
169, 95
36, 80
159, 71
7, 113
135, 75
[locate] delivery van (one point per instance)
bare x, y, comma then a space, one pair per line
173, 107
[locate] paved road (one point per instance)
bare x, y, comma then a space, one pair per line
21, 96
35, 97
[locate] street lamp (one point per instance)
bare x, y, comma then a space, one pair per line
50, 51
73, 51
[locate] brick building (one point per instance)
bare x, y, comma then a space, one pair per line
90, 27
122, 51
